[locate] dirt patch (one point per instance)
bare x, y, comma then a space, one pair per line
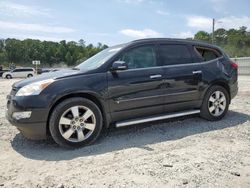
188, 152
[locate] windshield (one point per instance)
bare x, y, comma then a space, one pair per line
98, 59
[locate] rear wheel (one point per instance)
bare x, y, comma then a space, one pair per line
30, 75
215, 103
8, 76
75, 122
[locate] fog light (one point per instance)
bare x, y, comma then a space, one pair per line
21, 115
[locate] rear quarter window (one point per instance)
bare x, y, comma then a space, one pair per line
207, 54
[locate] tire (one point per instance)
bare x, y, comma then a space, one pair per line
69, 135
217, 97
8, 76
30, 75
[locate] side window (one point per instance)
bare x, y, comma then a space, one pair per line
17, 70
207, 54
174, 54
139, 57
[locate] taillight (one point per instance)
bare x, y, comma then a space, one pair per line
234, 65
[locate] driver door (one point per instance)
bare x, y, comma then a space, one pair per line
137, 91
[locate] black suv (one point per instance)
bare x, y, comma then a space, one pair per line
140, 81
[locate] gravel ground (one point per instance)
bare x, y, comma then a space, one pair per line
188, 152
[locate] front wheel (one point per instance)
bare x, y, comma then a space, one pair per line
76, 122
8, 76
215, 103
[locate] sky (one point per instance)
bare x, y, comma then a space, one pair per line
117, 21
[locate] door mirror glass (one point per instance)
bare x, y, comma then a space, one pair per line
119, 65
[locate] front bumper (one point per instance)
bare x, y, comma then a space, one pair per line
33, 127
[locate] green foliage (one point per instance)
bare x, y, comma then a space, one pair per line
23, 52
236, 42
69, 59
203, 36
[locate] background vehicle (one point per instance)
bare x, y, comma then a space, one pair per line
137, 82
3, 71
19, 73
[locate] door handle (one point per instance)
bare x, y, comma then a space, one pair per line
155, 76
197, 72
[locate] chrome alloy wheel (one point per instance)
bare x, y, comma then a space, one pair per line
217, 103
77, 123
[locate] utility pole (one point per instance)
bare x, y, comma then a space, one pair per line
213, 31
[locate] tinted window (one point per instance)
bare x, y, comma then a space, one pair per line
140, 57
27, 69
174, 54
17, 70
207, 54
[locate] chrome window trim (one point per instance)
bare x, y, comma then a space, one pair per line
177, 65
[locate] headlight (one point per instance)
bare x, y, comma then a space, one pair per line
35, 88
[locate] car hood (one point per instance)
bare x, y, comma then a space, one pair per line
51, 75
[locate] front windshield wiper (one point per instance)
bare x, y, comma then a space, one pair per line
75, 68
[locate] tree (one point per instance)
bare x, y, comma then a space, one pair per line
81, 42
1, 45
14, 50
220, 36
69, 59
203, 36
61, 52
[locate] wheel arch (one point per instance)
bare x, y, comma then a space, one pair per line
221, 83
90, 96
8, 75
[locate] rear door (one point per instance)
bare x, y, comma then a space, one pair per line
183, 77
27, 72
16, 73
137, 91
23, 73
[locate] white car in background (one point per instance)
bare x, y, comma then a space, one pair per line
19, 73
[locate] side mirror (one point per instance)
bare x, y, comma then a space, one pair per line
119, 65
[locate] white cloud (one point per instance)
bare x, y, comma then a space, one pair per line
33, 27
184, 35
161, 12
15, 9
229, 22
141, 33
199, 22
233, 22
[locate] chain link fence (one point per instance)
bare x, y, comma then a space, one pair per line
244, 65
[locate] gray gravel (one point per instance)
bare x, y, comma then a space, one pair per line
187, 152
